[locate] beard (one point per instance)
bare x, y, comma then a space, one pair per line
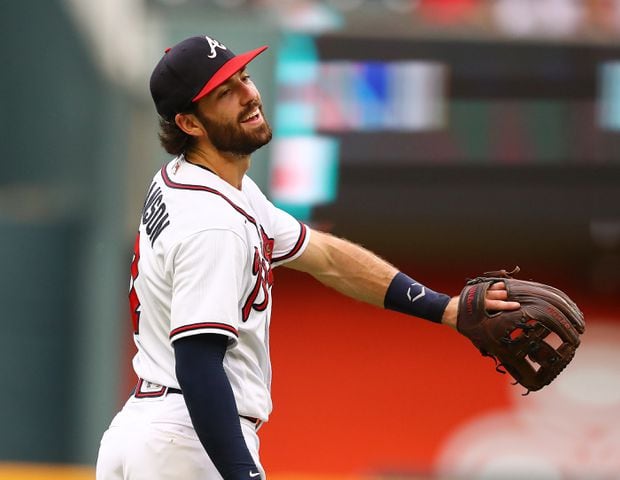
232, 138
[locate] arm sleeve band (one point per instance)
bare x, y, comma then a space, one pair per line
211, 403
405, 295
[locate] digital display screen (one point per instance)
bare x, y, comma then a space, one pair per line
469, 102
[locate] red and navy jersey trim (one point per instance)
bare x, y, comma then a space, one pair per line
202, 326
201, 188
300, 241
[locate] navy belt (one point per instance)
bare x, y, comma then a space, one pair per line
144, 389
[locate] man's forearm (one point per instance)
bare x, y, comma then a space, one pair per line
347, 268
359, 273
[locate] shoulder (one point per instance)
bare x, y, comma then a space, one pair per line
252, 190
199, 194
192, 203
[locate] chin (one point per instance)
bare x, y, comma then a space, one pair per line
263, 138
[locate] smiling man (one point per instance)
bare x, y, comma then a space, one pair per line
201, 278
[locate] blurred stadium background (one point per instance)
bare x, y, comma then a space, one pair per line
450, 136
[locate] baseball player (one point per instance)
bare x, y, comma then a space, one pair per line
201, 278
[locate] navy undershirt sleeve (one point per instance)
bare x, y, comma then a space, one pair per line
211, 403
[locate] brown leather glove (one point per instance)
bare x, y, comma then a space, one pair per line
534, 343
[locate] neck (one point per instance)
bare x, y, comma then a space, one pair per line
229, 167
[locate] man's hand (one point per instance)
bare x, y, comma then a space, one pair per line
495, 300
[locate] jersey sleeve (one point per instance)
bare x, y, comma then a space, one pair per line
291, 236
207, 285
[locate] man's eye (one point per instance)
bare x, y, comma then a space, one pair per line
223, 93
246, 78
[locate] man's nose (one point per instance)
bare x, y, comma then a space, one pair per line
248, 94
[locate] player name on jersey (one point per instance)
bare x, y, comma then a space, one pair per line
154, 216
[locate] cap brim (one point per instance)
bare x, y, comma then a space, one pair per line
228, 70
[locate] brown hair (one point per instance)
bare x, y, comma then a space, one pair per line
174, 140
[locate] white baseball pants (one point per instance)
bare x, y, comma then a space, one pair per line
153, 439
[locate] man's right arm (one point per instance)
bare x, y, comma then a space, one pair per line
360, 274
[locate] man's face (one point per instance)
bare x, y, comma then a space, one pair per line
235, 122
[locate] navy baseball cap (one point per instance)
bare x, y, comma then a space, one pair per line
190, 70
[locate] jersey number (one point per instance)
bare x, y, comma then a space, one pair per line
261, 268
134, 301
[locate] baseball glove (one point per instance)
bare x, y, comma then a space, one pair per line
534, 343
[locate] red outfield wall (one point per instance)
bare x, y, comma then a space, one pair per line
358, 389
361, 390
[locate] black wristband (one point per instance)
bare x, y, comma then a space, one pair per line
405, 295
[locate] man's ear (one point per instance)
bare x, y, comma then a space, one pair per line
190, 124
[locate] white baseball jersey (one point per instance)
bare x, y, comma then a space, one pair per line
203, 263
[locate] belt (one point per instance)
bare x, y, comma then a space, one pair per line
144, 389
256, 421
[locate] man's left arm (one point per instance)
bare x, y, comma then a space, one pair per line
360, 274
